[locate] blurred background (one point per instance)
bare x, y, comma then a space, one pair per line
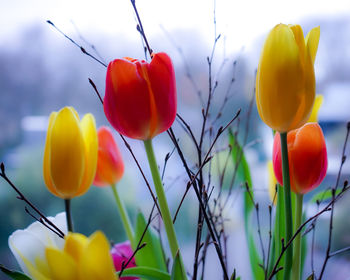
41, 71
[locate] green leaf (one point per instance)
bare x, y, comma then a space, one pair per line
303, 249
280, 229
14, 274
244, 176
146, 273
151, 255
278, 232
311, 277
238, 157
177, 273
325, 195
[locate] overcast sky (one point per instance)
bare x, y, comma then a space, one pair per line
241, 21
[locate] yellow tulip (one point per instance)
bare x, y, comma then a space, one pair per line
70, 156
285, 82
75, 258
316, 108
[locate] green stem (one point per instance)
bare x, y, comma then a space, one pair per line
68, 215
123, 214
296, 269
163, 204
288, 206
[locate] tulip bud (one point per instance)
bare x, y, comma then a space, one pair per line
307, 156
140, 100
110, 166
70, 155
285, 82
122, 252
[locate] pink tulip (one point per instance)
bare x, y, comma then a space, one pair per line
122, 252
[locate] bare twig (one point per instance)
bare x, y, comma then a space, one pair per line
139, 245
332, 205
75, 43
96, 90
92, 46
43, 220
141, 29
325, 209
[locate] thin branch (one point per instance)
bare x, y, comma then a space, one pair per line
139, 245
76, 44
92, 46
187, 68
166, 159
31, 205
325, 209
332, 206
346, 249
142, 173
96, 90
193, 179
141, 29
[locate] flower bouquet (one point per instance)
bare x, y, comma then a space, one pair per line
140, 102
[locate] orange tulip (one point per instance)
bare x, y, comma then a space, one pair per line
307, 156
110, 166
140, 100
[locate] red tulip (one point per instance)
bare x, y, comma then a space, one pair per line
121, 252
140, 99
110, 166
307, 156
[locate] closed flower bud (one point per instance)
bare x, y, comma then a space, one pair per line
285, 82
307, 156
121, 253
110, 166
140, 99
70, 155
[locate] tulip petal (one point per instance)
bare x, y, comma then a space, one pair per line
299, 39
311, 41
75, 245
89, 133
26, 247
97, 251
46, 163
162, 80
317, 105
67, 153
110, 166
126, 102
62, 266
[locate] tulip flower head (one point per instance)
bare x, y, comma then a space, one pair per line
140, 99
28, 245
43, 256
307, 156
70, 156
110, 166
122, 252
285, 82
